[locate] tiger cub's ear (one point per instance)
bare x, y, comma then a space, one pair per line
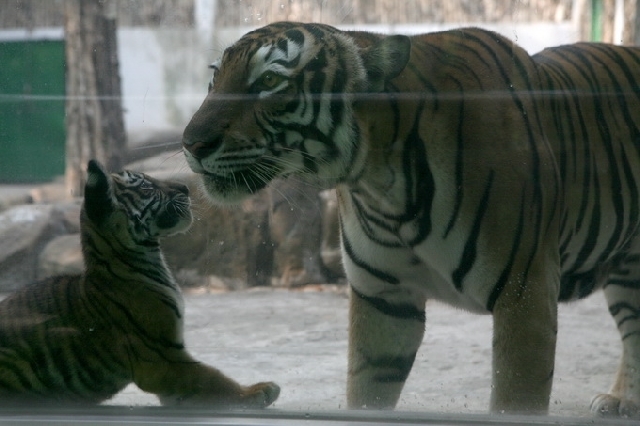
385, 60
98, 192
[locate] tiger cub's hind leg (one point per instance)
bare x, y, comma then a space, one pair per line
623, 299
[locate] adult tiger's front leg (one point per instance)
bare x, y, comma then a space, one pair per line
524, 342
383, 342
623, 298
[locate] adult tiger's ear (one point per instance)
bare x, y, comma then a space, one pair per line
385, 60
98, 192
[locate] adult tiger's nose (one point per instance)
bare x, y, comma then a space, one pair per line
205, 132
200, 150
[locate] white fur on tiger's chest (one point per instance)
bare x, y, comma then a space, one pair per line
399, 273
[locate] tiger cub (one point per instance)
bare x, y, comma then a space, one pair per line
83, 339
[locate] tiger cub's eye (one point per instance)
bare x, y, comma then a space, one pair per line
146, 186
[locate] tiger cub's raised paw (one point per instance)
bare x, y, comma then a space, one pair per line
607, 405
260, 395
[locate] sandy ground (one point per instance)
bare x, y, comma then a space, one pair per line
298, 340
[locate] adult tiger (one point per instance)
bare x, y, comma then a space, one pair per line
83, 339
466, 170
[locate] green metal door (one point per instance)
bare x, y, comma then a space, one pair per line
32, 129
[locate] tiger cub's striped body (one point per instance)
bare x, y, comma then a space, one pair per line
466, 170
83, 339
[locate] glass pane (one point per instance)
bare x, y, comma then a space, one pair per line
387, 201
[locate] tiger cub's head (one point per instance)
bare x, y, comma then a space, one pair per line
134, 208
281, 103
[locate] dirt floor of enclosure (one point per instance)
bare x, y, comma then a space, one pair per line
299, 340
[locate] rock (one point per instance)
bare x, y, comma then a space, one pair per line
305, 233
61, 256
69, 215
50, 193
15, 195
276, 236
287, 234
24, 231
296, 230
193, 283
217, 244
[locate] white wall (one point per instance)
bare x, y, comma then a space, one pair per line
164, 77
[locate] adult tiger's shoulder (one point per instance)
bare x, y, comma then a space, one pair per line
466, 170
83, 339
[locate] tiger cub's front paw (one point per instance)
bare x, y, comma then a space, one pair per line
260, 395
607, 405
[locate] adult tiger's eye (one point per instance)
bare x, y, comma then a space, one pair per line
269, 80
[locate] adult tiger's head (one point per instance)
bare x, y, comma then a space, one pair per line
133, 208
281, 102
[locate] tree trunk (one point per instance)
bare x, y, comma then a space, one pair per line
260, 250
95, 126
636, 26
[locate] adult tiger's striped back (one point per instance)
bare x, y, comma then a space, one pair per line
466, 170
83, 339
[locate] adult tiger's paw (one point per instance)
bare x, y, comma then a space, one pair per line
607, 405
260, 395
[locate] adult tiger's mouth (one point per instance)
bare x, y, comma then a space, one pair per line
246, 179
235, 186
